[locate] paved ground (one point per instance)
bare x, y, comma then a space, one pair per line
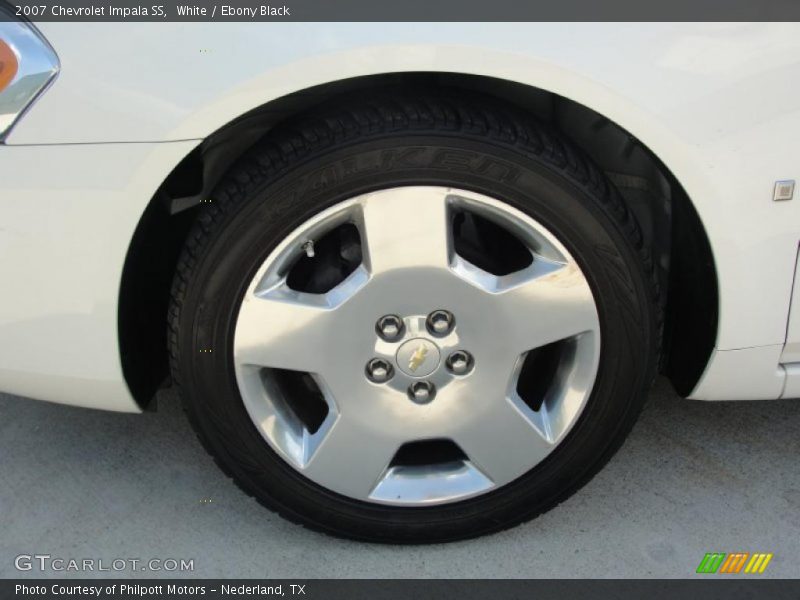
693, 477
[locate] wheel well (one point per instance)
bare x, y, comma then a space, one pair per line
667, 217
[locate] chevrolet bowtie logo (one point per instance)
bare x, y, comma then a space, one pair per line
418, 357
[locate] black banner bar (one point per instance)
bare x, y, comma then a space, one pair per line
712, 588
405, 10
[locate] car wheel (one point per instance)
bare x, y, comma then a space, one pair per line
414, 319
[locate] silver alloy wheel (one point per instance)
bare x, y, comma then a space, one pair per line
410, 269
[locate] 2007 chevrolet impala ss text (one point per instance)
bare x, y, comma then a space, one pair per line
412, 283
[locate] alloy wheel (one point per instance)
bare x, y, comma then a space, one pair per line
423, 372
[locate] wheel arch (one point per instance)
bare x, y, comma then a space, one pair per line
654, 193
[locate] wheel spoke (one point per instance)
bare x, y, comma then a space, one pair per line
545, 305
406, 228
501, 442
283, 331
353, 456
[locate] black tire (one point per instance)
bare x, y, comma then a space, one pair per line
470, 142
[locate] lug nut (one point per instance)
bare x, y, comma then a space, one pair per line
379, 371
460, 362
421, 392
440, 322
390, 327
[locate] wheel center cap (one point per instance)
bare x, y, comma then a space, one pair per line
418, 357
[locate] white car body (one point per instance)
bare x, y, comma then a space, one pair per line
716, 103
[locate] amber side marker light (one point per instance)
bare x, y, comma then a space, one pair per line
8, 65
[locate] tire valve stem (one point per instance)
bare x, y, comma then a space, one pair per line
308, 248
